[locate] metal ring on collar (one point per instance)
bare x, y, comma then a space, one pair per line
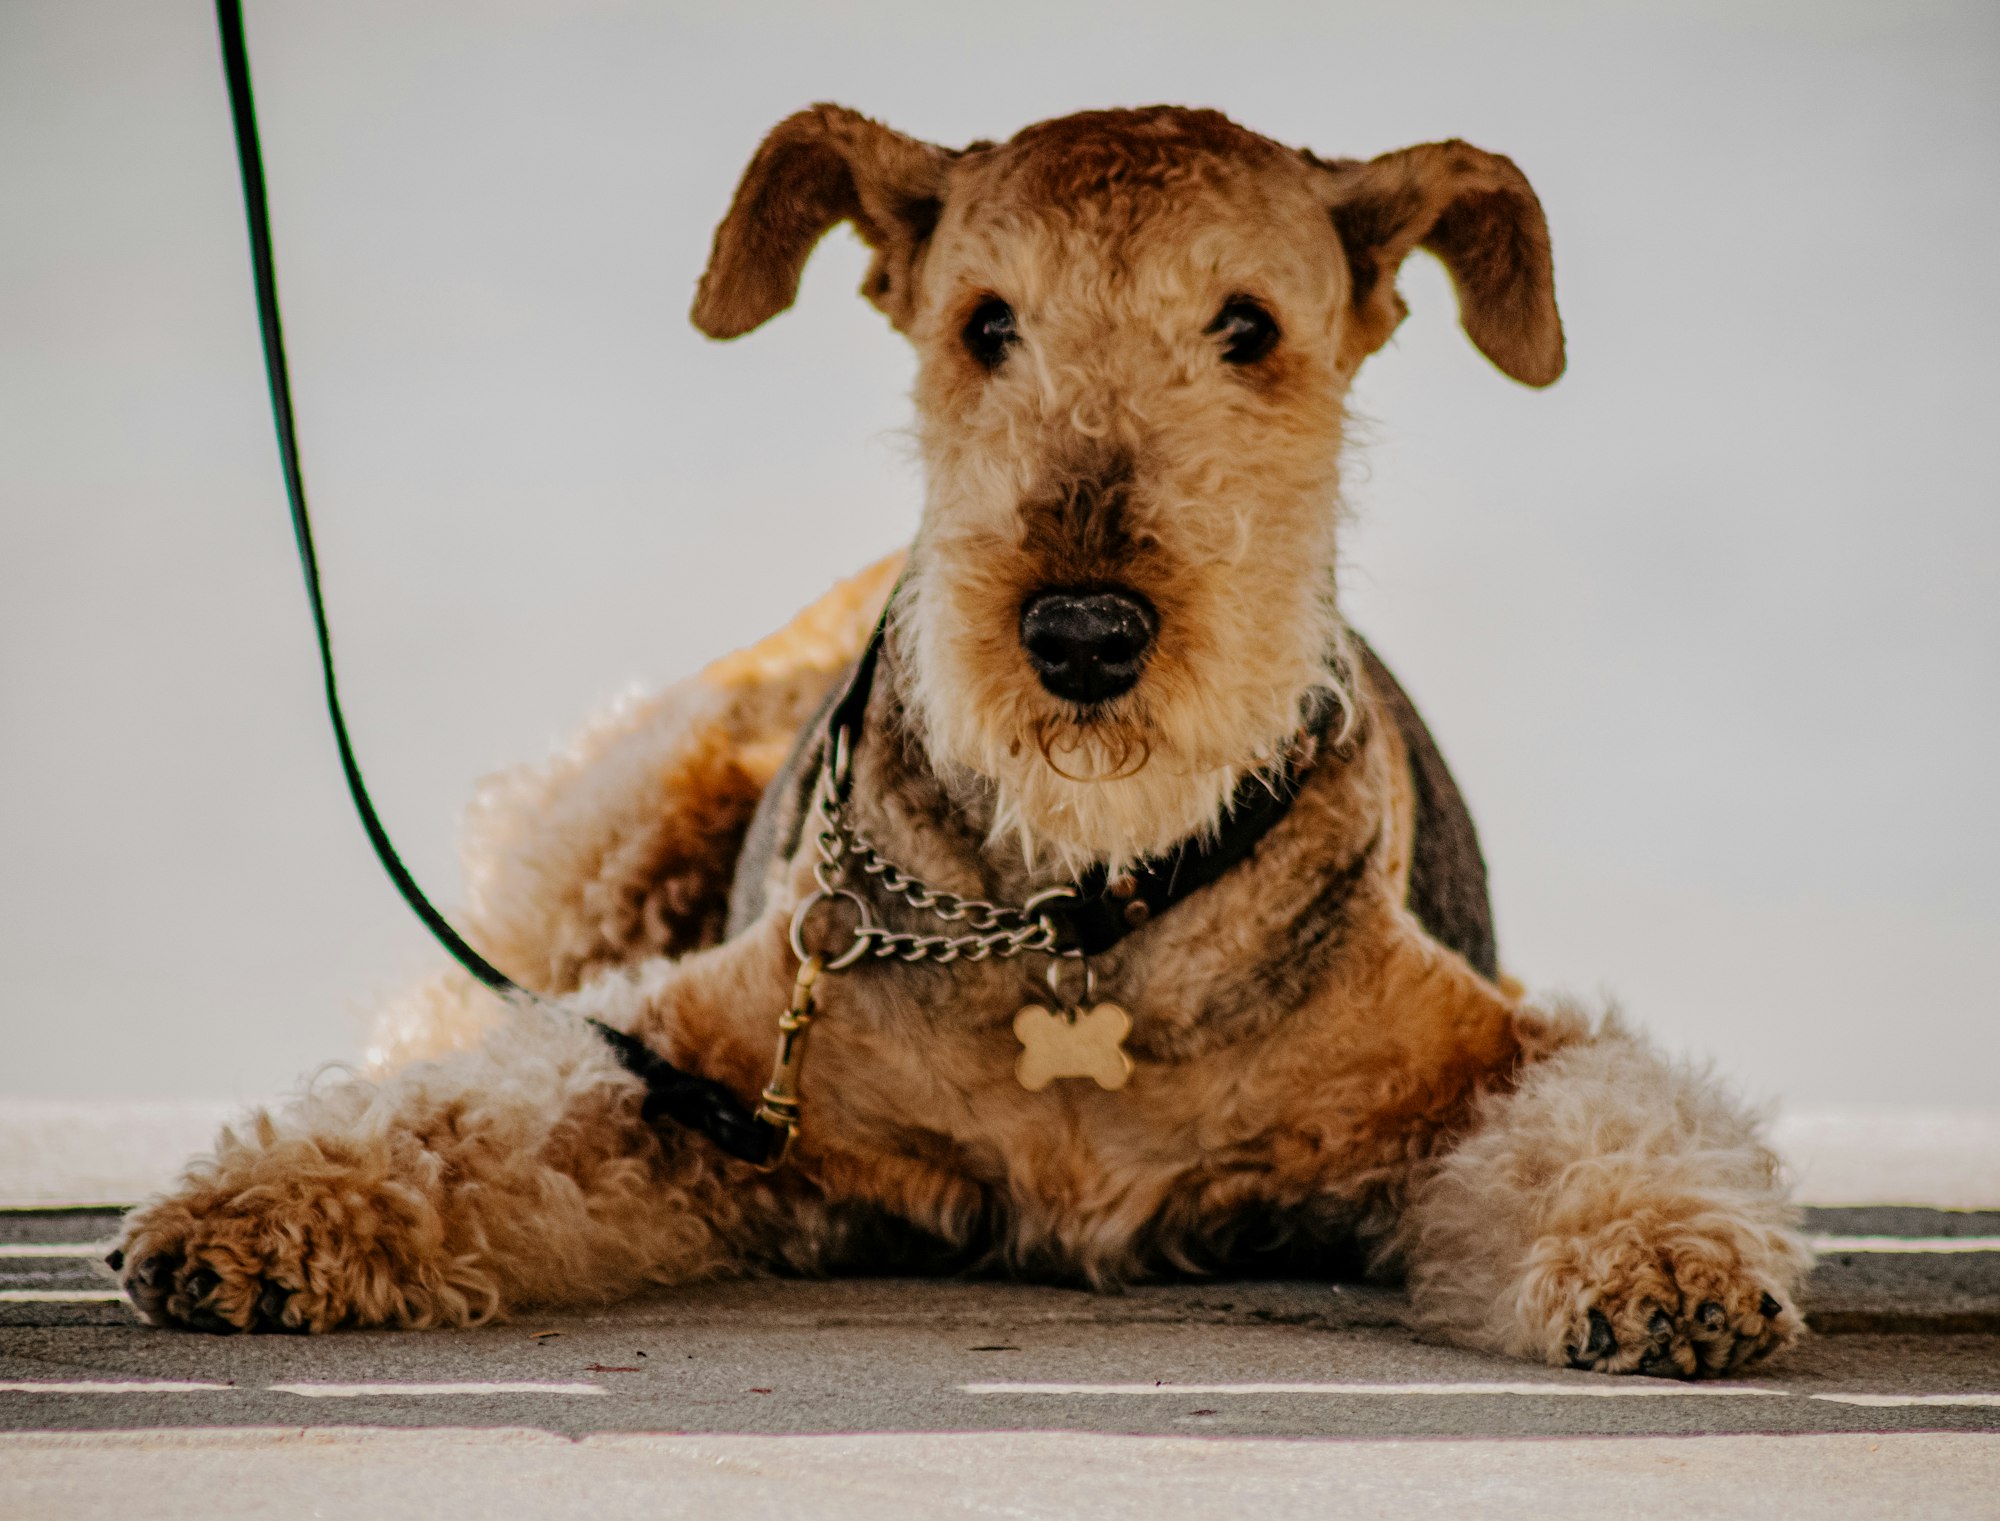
1045, 896
862, 927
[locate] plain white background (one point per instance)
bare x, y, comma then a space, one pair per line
1707, 631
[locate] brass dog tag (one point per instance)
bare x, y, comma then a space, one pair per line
1076, 1043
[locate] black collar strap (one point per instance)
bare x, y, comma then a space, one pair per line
1106, 908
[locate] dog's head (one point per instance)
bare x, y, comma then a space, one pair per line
1136, 330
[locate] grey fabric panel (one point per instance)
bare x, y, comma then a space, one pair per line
774, 828
1447, 872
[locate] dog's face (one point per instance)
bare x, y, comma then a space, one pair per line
1136, 330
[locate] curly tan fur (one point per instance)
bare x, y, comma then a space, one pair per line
1610, 1180
516, 1172
1325, 1066
624, 845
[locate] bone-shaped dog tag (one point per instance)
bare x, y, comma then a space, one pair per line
1078, 1043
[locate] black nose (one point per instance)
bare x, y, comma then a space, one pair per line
1087, 646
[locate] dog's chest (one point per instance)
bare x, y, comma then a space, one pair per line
1236, 1052
1078, 1178
990, 1079
916, 1105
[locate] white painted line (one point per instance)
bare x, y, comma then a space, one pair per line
109, 1387
60, 1296
1655, 1388
1906, 1243
1911, 1399
95, 1249
358, 1391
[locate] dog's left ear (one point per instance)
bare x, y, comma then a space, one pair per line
1478, 214
819, 168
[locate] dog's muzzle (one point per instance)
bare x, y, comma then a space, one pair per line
1088, 646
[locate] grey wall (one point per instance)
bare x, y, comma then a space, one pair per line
1708, 630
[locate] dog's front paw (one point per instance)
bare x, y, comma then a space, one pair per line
181, 1272
287, 1239
1674, 1301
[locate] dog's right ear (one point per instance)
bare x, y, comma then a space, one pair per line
817, 169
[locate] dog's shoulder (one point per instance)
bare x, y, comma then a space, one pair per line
1447, 890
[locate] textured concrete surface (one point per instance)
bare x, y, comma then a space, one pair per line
878, 1398
80, 1152
942, 1355
808, 1368
1949, 1159
387, 1476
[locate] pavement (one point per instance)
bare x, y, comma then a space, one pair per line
872, 1397
518, 1474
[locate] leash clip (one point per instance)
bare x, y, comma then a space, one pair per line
841, 761
780, 1107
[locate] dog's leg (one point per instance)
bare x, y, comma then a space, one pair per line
516, 1173
1614, 1211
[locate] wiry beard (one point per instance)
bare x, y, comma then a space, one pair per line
1116, 785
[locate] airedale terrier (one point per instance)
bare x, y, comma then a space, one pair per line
1139, 926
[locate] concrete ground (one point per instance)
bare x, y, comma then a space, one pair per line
1046, 1474
887, 1398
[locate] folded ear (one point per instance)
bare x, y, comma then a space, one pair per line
819, 168
1477, 213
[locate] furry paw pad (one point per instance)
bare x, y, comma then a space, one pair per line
265, 1242
175, 1278
1689, 1310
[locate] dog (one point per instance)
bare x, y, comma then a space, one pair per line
1139, 927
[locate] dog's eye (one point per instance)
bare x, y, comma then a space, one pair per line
1248, 332
990, 332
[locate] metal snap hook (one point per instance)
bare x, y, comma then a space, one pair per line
1054, 978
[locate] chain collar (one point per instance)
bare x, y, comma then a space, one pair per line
1068, 920
991, 930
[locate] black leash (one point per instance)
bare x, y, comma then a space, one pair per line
1102, 912
696, 1102
236, 64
